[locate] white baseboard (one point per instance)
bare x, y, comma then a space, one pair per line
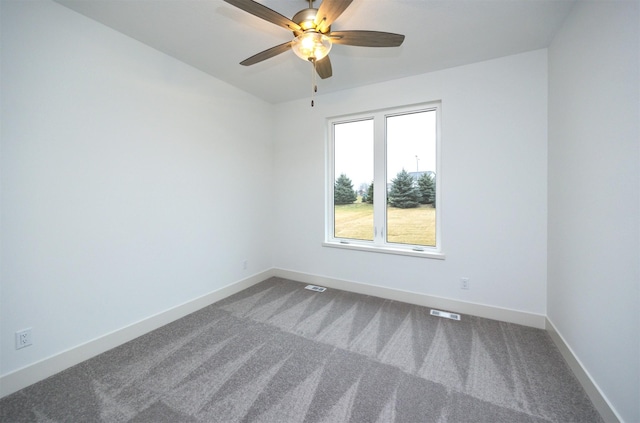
21, 378
600, 402
445, 304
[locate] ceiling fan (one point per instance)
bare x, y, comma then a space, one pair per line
313, 35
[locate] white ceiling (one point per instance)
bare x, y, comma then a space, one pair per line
214, 37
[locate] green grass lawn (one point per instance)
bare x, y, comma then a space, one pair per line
404, 226
354, 221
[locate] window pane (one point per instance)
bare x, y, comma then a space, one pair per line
353, 176
411, 173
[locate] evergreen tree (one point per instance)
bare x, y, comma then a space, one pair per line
343, 192
427, 188
403, 193
370, 194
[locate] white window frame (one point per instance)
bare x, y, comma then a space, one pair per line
379, 243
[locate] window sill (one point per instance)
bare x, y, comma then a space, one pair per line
385, 250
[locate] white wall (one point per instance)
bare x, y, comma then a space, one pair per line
594, 204
493, 175
131, 182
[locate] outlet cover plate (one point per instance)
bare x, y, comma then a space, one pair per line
23, 338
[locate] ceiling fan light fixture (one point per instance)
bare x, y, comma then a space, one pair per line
311, 46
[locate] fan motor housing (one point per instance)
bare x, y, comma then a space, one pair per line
306, 19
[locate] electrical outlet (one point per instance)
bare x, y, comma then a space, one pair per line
23, 338
245, 264
464, 283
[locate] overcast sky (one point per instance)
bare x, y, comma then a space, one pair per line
408, 136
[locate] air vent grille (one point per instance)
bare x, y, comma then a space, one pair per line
315, 288
445, 314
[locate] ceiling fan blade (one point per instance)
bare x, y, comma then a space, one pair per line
323, 67
267, 54
265, 13
328, 12
366, 38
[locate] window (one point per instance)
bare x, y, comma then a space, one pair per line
383, 185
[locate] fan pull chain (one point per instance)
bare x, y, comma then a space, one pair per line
314, 85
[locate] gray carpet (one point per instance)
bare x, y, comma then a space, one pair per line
279, 353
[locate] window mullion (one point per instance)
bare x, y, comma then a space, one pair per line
380, 177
